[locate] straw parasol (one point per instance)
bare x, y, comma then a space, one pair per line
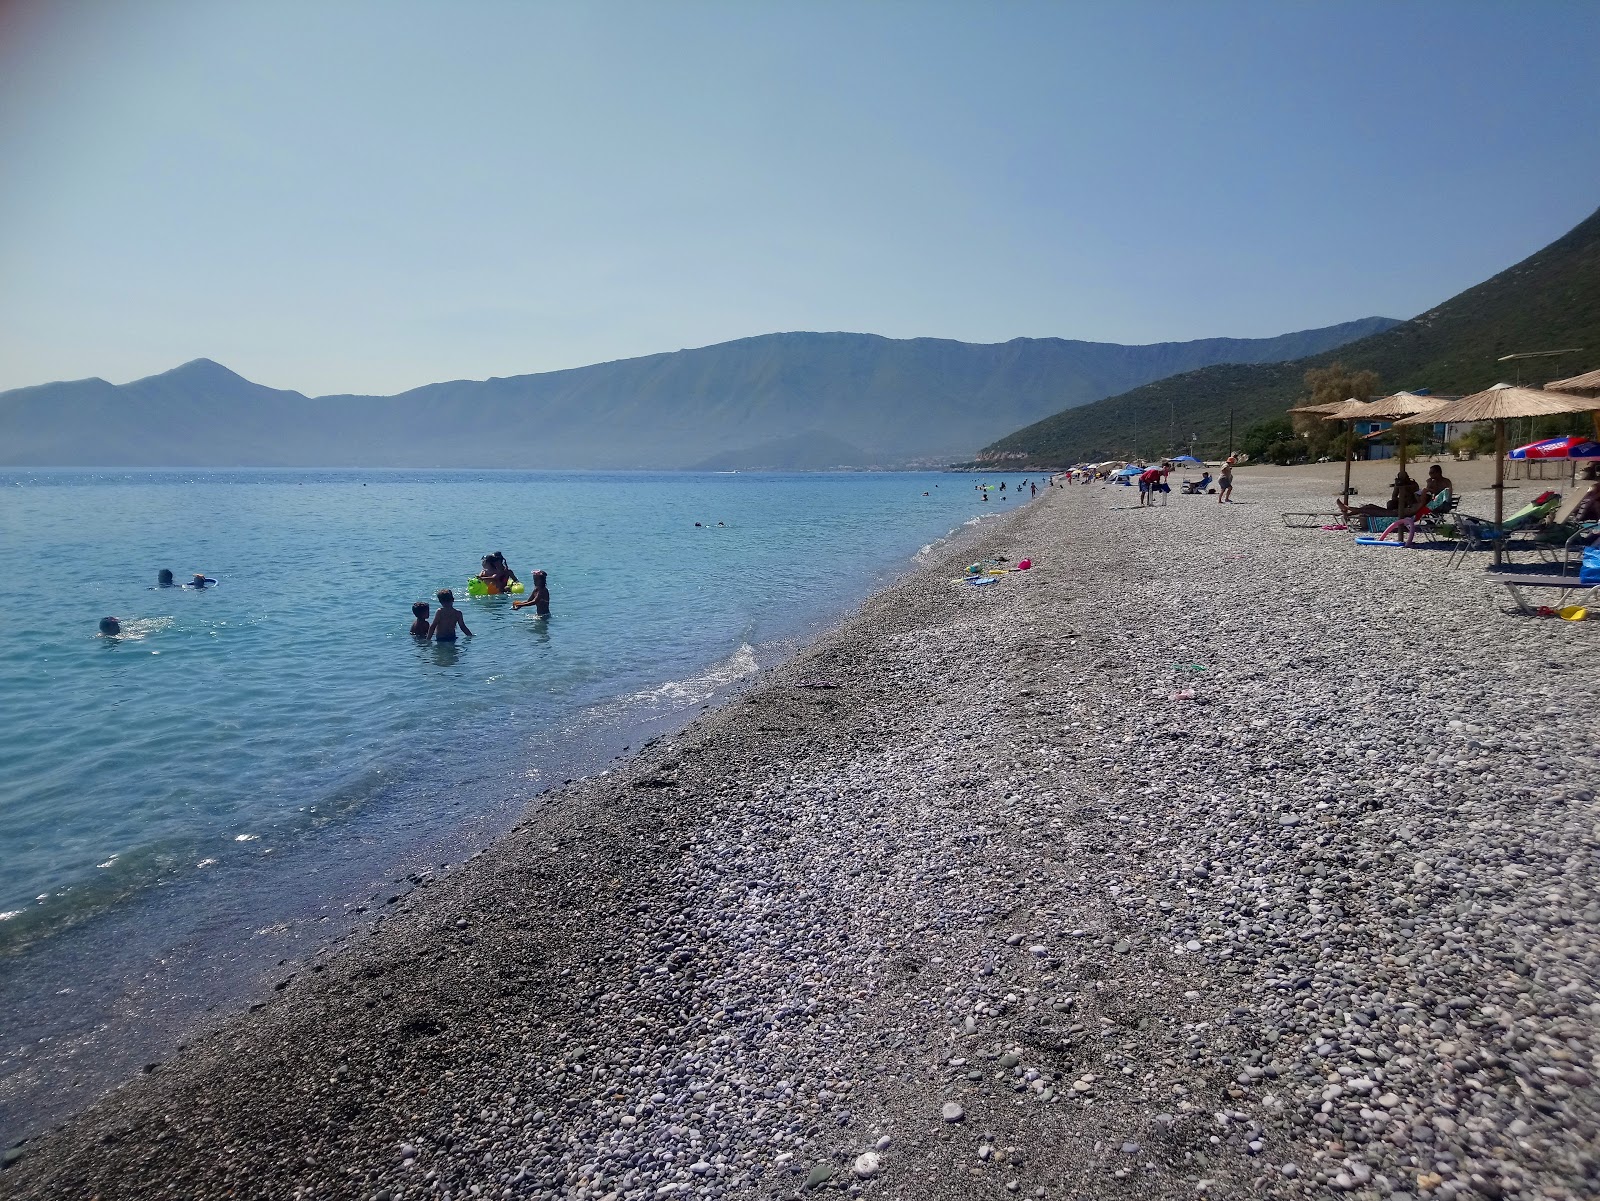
1500, 404
1348, 411
1389, 408
1587, 384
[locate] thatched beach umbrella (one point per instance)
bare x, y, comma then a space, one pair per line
1349, 412
1587, 384
1389, 408
1500, 404
1400, 405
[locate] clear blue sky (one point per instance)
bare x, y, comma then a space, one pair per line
353, 196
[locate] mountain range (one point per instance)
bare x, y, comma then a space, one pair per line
787, 400
1550, 301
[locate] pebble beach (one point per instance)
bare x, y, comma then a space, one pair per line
1207, 857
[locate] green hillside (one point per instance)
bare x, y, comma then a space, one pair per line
1549, 301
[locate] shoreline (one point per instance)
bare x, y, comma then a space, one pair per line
1006, 865
168, 991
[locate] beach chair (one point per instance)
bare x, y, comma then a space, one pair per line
1426, 523
1568, 591
1562, 544
1430, 524
1478, 533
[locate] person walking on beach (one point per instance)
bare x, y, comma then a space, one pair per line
1225, 484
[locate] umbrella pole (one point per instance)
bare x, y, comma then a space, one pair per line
1349, 450
1499, 485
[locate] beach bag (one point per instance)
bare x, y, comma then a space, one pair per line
1589, 569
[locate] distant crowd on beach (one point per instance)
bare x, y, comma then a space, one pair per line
1152, 480
983, 490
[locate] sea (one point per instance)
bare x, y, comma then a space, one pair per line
250, 771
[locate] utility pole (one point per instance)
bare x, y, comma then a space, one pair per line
1230, 433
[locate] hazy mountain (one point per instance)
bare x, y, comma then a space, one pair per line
742, 403
810, 451
1548, 301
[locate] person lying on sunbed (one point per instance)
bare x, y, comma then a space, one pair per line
1402, 499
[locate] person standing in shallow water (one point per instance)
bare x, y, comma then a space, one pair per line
448, 619
540, 599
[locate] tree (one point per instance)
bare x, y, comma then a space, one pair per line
1337, 382
1274, 441
1330, 385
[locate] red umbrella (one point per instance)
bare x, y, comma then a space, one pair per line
1567, 446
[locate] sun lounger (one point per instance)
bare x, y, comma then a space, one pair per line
1477, 533
1568, 591
1427, 523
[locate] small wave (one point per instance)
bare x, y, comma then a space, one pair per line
926, 553
702, 687
136, 628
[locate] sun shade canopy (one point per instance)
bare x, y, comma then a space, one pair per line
1587, 384
1501, 402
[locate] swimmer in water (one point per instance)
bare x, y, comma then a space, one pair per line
508, 577
540, 598
164, 578
448, 619
496, 574
110, 627
419, 627
201, 579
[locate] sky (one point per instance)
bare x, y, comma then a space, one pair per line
350, 196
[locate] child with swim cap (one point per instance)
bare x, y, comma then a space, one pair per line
419, 627
448, 619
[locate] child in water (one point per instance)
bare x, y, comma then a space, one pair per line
448, 619
419, 627
540, 598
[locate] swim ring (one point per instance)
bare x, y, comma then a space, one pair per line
477, 587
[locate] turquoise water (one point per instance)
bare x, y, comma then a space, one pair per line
288, 704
